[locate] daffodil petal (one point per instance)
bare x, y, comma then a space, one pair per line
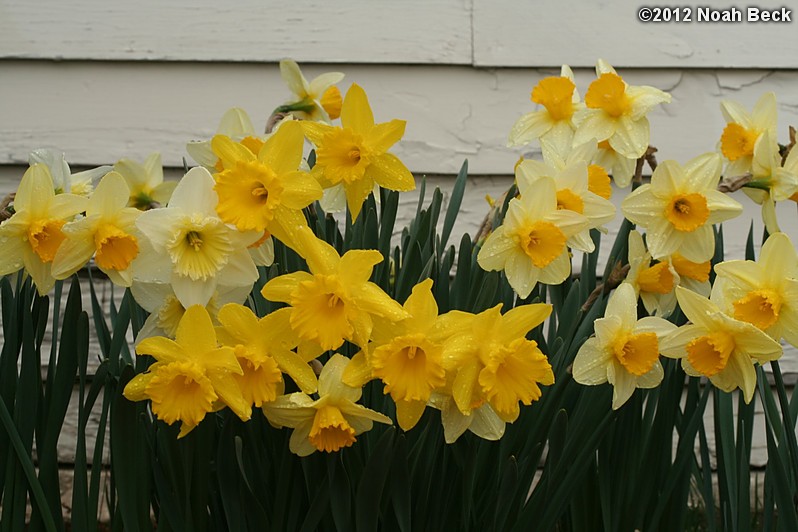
356, 111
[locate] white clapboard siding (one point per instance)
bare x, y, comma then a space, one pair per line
380, 31
575, 32
98, 112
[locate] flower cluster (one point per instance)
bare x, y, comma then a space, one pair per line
190, 252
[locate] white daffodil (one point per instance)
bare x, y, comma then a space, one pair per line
192, 248
531, 245
329, 423
80, 183
653, 283
773, 181
763, 293
554, 123
598, 180
717, 346
31, 237
318, 100
108, 231
483, 421
744, 129
679, 206
572, 183
625, 351
616, 112
620, 167
145, 181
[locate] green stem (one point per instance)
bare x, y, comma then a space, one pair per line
789, 429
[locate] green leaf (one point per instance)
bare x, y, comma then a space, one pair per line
455, 201
372, 483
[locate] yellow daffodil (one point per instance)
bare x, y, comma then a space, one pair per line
406, 356
263, 348
572, 182
553, 123
192, 375
763, 293
108, 231
495, 363
192, 248
679, 206
31, 238
624, 351
80, 183
717, 346
773, 181
318, 100
331, 422
744, 129
166, 311
621, 168
531, 245
236, 125
147, 187
264, 191
356, 155
335, 301
616, 112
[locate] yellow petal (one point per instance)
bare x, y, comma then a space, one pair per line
195, 333
161, 349
389, 172
358, 371
356, 111
315, 131
464, 388
291, 364
409, 412
357, 264
300, 190
519, 321
385, 135
321, 257
239, 321
35, 188
135, 390
229, 151
280, 288
228, 391
283, 150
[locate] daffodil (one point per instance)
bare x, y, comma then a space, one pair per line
771, 182
531, 245
717, 346
79, 183
318, 100
166, 311
192, 248
335, 301
263, 348
356, 154
329, 423
679, 206
192, 375
31, 237
616, 112
494, 363
108, 231
654, 284
483, 420
264, 191
572, 182
236, 125
406, 356
744, 129
624, 351
621, 168
763, 293
598, 180
145, 181
553, 123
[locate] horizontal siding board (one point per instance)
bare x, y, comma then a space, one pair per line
380, 31
575, 32
100, 112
